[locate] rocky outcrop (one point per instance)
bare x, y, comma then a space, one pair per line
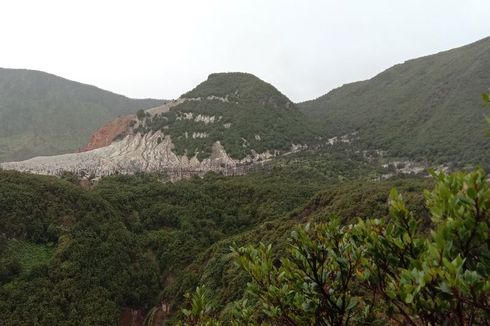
151, 152
111, 131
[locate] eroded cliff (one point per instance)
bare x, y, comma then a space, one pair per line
151, 152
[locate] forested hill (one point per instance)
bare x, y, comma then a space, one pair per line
73, 256
426, 108
43, 114
76, 256
239, 110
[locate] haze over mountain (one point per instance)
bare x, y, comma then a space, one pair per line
43, 114
427, 108
229, 120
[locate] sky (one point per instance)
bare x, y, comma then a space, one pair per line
162, 49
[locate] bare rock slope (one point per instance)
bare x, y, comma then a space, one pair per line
151, 152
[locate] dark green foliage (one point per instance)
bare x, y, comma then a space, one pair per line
42, 114
27, 254
84, 254
379, 271
201, 307
85, 265
194, 214
260, 118
426, 108
239, 86
333, 163
39, 208
350, 201
10, 267
130, 237
140, 114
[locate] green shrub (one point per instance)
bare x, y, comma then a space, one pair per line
386, 270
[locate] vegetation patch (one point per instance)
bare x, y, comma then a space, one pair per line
28, 254
424, 109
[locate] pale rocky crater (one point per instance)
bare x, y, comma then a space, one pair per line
150, 152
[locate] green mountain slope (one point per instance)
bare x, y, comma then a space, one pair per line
42, 114
426, 108
77, 254
66, 256
83, 255
352, 200
241, 111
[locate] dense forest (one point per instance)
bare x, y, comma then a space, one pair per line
75, 255
427, 108
333, 234
243, 249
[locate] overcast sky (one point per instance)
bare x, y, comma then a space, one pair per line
162, 48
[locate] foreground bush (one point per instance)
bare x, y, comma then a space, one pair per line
376, 271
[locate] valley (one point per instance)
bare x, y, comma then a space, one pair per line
233, 205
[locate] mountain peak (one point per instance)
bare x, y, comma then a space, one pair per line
243, 112
236, 84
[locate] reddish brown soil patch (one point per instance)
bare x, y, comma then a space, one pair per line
132, 317
159, 314
109, 132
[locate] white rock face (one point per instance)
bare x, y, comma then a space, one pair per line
152, 152
218, 98
204, 118
185, 116
199, 135
147, 153
346, 139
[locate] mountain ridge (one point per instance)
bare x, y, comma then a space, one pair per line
428, 108
210, 128
44, 114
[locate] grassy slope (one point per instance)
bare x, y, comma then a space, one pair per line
426, 108
42, 114
29, 255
